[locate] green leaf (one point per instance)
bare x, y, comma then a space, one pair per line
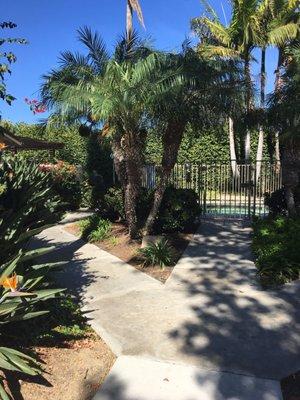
3, 394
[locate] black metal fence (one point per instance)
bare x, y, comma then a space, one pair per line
224, 189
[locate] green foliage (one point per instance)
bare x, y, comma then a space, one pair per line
6, 59
67, 185
102, 231
64, 321
159, 253
24, 286
75, 146
276, 244
178, 211
198, 144
95, 229
112, 204
27, 204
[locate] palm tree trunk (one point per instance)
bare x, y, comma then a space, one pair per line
278, 82
260, 145
291, 174
233, 160
171, 142
248, 104
129, 23
119, 161
128, 162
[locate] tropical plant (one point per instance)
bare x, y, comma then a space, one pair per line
9, 58
278, 26
133, 5
235, 41
202, 97
23, 287
27, 204
130, 93
284, 115
159, 253
284, 28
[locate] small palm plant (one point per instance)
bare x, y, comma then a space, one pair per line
160, 253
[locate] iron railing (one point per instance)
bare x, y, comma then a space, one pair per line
224, 188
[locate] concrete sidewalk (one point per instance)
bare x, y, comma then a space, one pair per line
211, 317
137, 378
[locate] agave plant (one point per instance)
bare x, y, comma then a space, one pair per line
23, 285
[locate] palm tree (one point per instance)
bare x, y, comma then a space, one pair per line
203, 92
234, 41
283, 28
285, 117
110, 92
133, 5
274, 30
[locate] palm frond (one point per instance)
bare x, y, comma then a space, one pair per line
98, 53
135, 5
283, 33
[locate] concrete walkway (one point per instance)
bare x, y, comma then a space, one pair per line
209, 333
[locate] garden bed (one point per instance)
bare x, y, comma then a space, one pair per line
74, 371
120, 245
75, 361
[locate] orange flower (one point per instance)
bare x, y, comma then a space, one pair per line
2, 146
10, 283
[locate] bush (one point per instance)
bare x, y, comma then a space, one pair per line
160, 253
112, 204
95, 228
177, 213
276, 244
178, 210
65, 183
277, 203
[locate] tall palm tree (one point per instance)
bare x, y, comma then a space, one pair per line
285, 117
202, 92
284, 27
234, 41
274, 30
133, 5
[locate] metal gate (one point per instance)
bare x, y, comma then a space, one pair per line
224, 189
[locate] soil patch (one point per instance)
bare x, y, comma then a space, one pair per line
120, 245
74, 371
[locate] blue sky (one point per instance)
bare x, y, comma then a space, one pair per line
50, 27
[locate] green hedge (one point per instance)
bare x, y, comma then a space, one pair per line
208, 145
276, 245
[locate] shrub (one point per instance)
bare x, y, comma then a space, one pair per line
95, 228
160, 253
276, 244
178, 210
277, 203
65, 183
112, 204
102, 231
177, 213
